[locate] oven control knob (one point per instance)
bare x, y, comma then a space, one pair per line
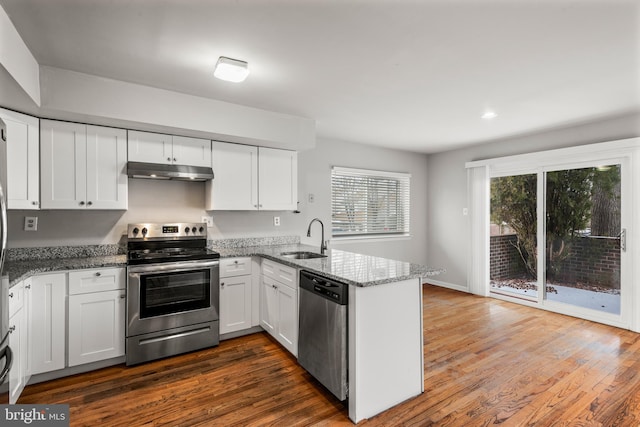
202, 229
135, 230
186, 229
194, 229
144, 231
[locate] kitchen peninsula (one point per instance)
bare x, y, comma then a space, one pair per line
385, 340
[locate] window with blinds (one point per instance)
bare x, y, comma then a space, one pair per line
369, 203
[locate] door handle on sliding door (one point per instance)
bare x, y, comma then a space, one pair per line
623, 240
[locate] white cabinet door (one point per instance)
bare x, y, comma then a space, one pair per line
149, 147
106, 168
18, 341
235, 303
47, 322
23, 160
269, 305
287, 331
63, 165
191, 151
278, 178
235, 185
96, 326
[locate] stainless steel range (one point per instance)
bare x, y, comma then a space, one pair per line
172, 291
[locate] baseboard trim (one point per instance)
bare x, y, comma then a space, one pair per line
448, 285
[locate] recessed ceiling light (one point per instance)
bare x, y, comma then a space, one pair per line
489, 114
231, 70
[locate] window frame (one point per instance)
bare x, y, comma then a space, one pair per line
402, 206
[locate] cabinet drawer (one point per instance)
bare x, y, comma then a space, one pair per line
235, 267
96, 280
16, 298
279, 272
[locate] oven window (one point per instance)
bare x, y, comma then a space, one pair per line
168, 293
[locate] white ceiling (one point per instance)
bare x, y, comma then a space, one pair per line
414, 75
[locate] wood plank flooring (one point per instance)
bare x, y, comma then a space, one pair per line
486, 362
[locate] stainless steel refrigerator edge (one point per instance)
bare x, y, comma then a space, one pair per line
6, 356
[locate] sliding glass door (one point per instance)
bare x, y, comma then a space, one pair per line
513, 233
583, 237
557, 238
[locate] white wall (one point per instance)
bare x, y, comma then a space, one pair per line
448, 229
315, 170
74, 96
17, 60
160, 201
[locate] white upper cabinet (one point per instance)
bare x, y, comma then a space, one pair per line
159, 148
235, 182
82, 166
191, 151
252, 178
278, 179
23, 160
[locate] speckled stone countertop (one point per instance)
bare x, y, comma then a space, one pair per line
348, 267
19, 270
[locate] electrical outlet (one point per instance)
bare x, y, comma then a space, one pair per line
276, 221
30, 223
208, 220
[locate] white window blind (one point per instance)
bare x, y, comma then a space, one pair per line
369, 203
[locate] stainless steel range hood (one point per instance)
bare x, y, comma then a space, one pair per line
175, 172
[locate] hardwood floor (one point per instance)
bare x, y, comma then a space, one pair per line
486, 362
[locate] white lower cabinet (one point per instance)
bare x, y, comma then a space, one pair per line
279, 303
236, 292
97, 309
47, 322
18, 341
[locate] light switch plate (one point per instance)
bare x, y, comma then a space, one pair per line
30, 223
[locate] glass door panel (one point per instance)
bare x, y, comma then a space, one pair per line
513, 236
583, 236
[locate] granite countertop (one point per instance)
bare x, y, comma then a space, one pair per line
19, 270
348, 267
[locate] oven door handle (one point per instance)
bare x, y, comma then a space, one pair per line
169, 267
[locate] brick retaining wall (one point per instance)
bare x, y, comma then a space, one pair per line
593, 261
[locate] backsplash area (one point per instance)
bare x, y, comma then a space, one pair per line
85, 251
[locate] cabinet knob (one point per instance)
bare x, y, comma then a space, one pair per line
89, 203
235, 262
98, 274
260, 206
123, 296
174, 159
82, 203
274, 287
27, 286
222, 284
11, 329
168, 159
34, 203
11, 295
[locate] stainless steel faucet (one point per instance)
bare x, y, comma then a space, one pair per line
323, 243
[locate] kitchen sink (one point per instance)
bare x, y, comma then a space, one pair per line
302, 255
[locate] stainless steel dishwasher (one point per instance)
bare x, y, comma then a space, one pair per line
322, 338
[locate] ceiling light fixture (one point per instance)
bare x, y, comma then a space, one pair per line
489, 114
231, 70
